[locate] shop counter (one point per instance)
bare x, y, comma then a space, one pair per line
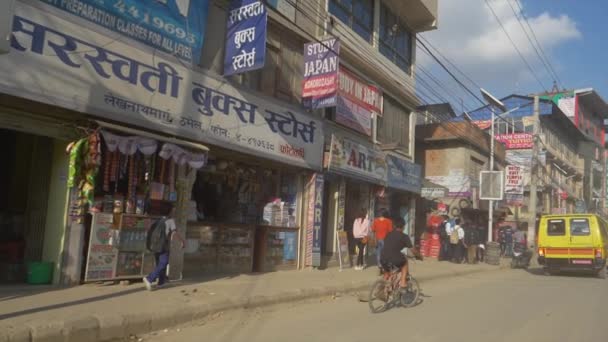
213, 248
276, 248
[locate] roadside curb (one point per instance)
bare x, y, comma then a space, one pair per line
100, 328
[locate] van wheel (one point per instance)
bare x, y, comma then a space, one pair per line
602, 273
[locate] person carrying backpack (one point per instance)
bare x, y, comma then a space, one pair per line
158, 241
457, 242
444, 238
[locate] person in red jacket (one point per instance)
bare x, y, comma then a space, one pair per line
381, 227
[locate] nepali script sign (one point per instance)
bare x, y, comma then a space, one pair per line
176, 27
320, 83
245, 36
64, 65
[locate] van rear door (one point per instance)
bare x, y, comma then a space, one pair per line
581, 239
556, 241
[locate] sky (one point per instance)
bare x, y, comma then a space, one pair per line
571, 33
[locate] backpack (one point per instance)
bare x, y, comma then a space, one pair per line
157, 239
454, 238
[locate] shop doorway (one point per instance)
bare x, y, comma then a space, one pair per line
357, 198
24, 190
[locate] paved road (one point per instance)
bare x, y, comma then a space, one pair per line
513, 305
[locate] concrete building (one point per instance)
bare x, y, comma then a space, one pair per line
453, 152
289, 199
560, 165
587, 110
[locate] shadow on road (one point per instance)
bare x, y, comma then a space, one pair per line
539, 271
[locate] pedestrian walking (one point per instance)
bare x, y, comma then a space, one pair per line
483, 238
457, 242
159, 242
361, 232
381, 227
509, 241
444, 235
471, 240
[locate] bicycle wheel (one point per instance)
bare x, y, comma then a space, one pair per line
379, 296
410, 297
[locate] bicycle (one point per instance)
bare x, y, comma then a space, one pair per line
388, 291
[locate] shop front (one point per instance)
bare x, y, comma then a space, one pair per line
356, 174
32, 192
404, 183
241, 205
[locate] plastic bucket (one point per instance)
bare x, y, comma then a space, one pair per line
39, 273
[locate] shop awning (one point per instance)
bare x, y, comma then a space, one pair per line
159, 137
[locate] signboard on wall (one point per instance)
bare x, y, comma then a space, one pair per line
432, 193
110, 79
103, 254
516, 140
357, 103
403, 174
314, 220
457, 185
357, 159
245, 36
320, 81
514, 180
176, 27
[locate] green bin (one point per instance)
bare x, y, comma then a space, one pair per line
39, 273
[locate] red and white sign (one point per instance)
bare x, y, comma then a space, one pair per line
483, 124
514, 180
357, 102
516, 140
365, 95
442, 208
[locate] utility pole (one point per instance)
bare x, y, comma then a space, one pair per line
534, 174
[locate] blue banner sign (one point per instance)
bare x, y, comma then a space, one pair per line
176, 27
245, 36
403, 174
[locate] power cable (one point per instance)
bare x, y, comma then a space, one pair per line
531, 42
523, 14
514, 45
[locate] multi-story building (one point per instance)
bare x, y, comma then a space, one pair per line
453, 152
174, 115
587, 111
560, 167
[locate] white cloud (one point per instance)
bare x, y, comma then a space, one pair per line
470, 37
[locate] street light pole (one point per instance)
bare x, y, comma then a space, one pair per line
534, 176
491, 202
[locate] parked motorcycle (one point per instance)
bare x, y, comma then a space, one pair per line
521, 256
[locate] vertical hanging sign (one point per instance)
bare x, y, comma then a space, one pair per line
320, 82
317, 221
245, 36
314, 217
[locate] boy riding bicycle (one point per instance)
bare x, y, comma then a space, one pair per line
391, 254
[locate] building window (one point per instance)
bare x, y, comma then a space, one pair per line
395, 39
356, 14
394, 125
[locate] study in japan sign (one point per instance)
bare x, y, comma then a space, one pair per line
245, 36
320, 83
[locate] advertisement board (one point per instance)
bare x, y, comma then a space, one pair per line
515, 140
176, 27
357, 103
111, 80
356, 159
403, 174
320, 81
245, 36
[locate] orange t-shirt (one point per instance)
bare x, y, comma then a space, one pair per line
382, 227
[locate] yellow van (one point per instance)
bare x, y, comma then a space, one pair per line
572, 242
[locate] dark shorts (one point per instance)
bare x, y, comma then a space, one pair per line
388, 265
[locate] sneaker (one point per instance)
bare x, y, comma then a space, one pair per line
147, 283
